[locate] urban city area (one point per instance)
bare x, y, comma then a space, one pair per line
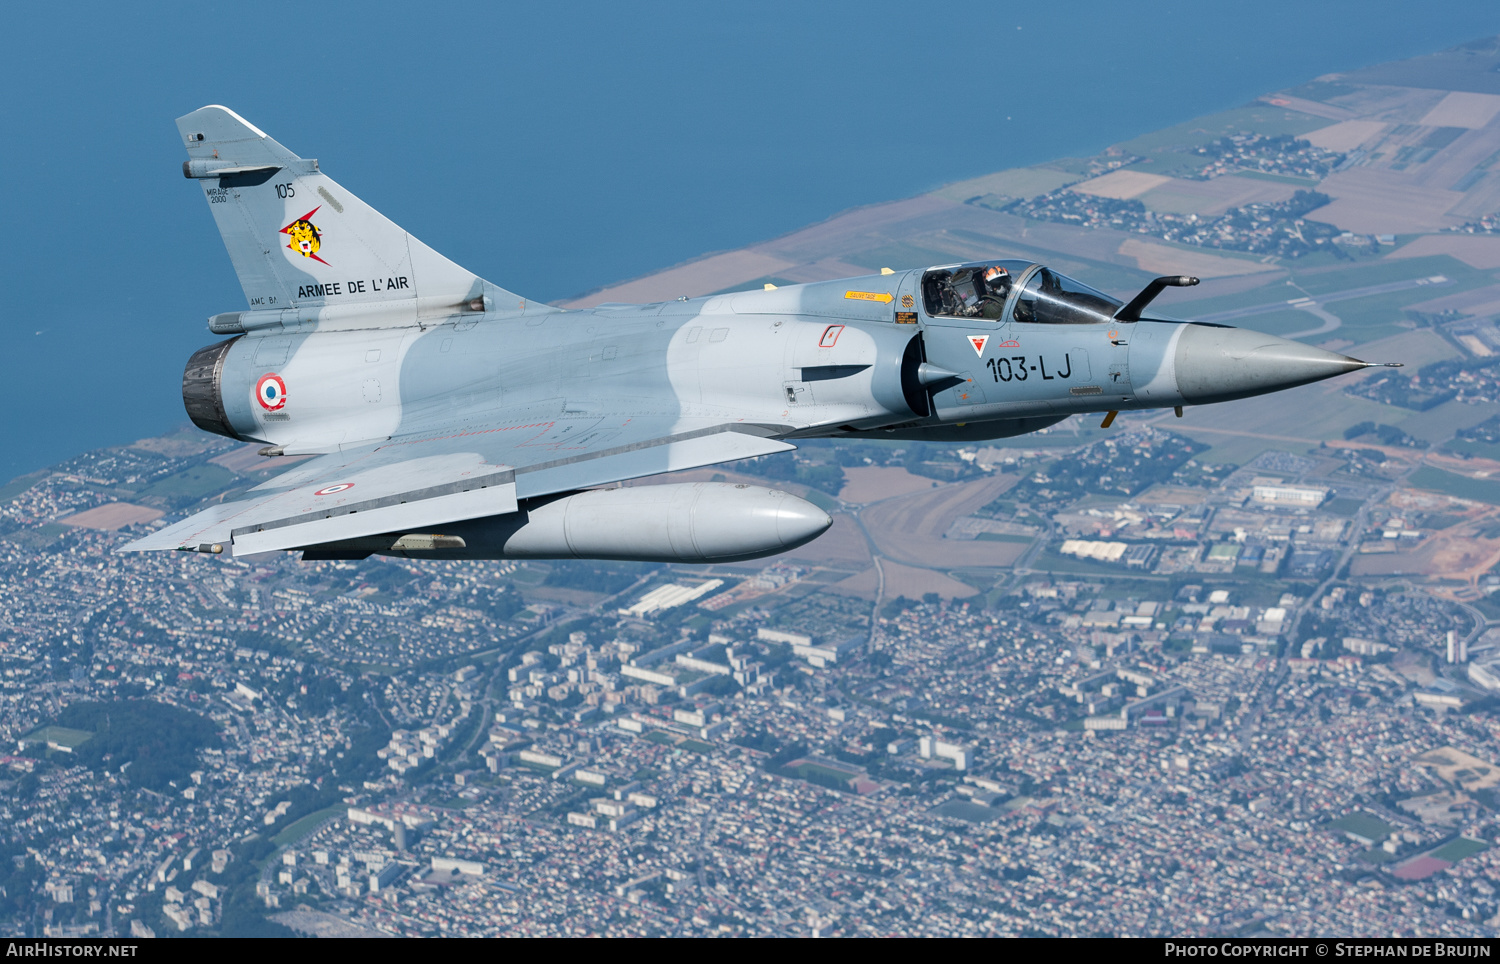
1230, 671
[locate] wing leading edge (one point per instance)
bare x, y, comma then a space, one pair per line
411, 483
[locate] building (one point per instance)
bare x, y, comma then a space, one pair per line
1169, 700
1365, 647
540, 758
1305, 497
670, 596
1090, 549
648, 675
962, 754
825, 653
1486, 675
1439, 700
384, 876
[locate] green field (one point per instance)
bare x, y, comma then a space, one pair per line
968, 811
1364, 824
529, 575
43, 535
1344, 507
1004, 537
1365, 319
59, 735
822, 500
1322, 90
1232, 450
1278, 178
1463, 487
1437, 425
301, 827
1483, 450
1019, 182
19, 484
1273, 293
1281, 321
1381, 272
198, 482
1466, 67
657, 736
696, 746
1377, 855
1455, 850
804, 770
1257, 119
1050, 561
1301, 413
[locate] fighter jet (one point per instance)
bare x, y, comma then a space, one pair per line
450, 418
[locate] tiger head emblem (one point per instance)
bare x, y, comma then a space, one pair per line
304, 237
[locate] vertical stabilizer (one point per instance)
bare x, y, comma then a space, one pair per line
297, 239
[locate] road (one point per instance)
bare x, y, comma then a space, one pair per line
1306, 304
1330, 321
854, 512
1356, 527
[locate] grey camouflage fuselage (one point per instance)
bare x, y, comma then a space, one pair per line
435, 398
808, 357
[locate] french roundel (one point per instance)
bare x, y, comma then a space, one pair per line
335, 489
270, 391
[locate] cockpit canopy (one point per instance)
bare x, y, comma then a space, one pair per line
1016, 291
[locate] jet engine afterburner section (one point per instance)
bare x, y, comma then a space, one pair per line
202, 389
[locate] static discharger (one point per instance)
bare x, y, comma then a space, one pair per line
1177, 410
1109, 420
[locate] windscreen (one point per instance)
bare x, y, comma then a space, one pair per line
971, 290
1055, 299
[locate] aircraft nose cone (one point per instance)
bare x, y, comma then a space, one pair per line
1216, 364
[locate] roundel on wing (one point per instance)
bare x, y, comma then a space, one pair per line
270, 391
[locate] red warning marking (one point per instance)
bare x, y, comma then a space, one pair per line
978, 341
830, 336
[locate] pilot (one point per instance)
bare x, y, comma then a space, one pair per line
977, 293
995, 282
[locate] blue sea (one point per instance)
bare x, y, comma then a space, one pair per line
558, 148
